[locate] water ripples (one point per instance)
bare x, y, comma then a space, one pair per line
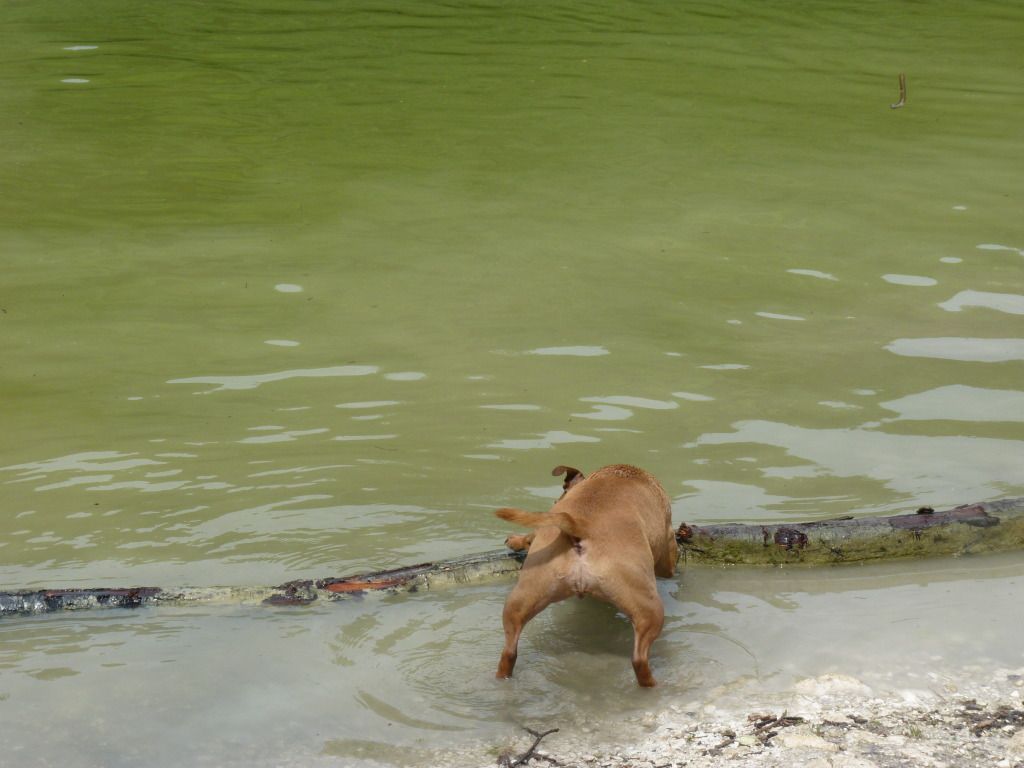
947, 469
252, 381
543, 441
350, 509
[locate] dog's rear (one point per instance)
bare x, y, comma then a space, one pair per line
607, 536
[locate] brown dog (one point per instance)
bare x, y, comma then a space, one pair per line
608, 536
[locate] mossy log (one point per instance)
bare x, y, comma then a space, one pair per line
995, 526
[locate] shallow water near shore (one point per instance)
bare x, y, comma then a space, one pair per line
294, 290
403, 679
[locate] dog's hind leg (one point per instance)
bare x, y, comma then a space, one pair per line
513, 618
511, 650
520, 607
637, 597
646, 628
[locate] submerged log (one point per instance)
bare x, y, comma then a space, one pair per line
995, 526
412, 578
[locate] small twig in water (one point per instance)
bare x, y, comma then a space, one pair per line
902, 92
507, 761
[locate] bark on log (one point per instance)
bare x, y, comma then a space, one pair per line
971, 529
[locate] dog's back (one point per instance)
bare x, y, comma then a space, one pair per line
616, 496
612, 506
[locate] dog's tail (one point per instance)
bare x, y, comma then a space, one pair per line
568, 524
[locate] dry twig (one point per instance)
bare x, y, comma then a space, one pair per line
507, 761
979, 720
730, 737
767, 726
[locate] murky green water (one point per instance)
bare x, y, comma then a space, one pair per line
302, 289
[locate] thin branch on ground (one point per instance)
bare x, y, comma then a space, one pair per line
730, 737
766, 727
507, 761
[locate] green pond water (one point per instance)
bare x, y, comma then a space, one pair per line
303, 289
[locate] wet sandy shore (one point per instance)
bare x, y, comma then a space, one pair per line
964, 719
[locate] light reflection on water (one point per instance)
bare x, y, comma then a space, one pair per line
1011, 303
413, 258
252, 381
960, 403
581, 351
979, 350
919, 281
939, 465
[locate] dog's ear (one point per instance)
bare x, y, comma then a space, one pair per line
572, 476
